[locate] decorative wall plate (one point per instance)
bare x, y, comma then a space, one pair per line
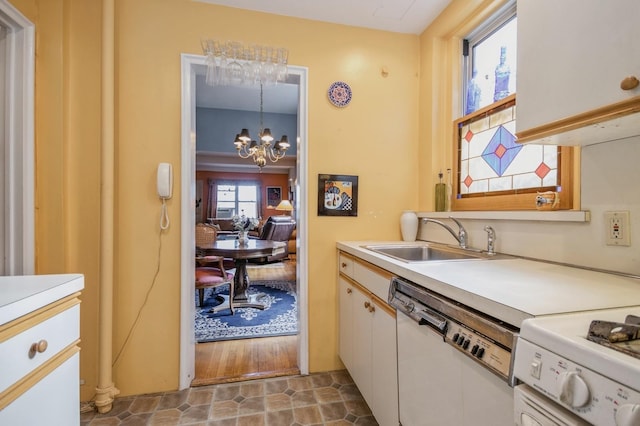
339, 94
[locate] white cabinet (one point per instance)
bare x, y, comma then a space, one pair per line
572, 57
367, 341
39, 352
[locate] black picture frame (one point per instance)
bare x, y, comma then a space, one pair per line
337, 195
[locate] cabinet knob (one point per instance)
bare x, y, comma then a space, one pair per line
38, 347
343, 265
629, 83
367, 304
372, 308
349, 291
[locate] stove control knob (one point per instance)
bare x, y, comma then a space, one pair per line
573, 390
628, 415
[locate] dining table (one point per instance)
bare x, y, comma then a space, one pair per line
241, 253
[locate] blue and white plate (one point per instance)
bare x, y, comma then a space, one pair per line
339, 94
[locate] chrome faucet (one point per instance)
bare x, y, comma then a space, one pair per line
491, 239
460, 236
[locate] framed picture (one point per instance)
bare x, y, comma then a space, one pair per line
337, 195
274, 196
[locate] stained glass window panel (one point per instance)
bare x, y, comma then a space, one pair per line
491, 159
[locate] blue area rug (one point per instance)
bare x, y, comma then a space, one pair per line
279, 318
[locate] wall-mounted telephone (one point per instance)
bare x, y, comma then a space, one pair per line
165, 181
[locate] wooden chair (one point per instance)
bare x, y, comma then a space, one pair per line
210, 277
205, 235
210, 270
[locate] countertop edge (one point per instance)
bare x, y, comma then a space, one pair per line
65, 285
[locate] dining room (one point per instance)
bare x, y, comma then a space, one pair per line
259, 337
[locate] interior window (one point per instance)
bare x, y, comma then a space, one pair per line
490, 159
492, 170
490, 61
236, 199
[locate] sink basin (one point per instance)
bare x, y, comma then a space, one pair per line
426, 252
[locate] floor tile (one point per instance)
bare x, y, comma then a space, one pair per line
329, 398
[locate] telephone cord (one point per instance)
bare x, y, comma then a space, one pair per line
164, 216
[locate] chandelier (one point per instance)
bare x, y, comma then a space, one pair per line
262, 150
233, 63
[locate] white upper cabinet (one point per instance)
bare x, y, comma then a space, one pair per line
573, 56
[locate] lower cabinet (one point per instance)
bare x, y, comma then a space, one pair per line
40, 364
53, 400
367, 347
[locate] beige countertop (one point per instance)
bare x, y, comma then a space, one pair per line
20, 295
512, 289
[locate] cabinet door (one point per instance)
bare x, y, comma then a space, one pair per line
54, 400
362, 370
572, 56
384, 402
345, 322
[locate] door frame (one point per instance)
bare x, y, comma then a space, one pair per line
17, 203
189, 66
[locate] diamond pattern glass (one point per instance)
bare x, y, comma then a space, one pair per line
492, 160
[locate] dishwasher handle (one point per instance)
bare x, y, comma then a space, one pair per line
433, 319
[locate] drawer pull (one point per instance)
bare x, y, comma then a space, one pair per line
343, 265
372, 308
40, 347
629, 83
367, 304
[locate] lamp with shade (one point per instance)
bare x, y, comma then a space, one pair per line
285, 206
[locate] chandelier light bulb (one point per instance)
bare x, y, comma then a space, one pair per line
284, 142
266, 135
244, 135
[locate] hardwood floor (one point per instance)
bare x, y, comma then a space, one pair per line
246, 359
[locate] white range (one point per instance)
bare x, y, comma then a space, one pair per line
595, 379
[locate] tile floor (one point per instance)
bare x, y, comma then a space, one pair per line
318, 399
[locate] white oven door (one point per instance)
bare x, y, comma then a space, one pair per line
533, 409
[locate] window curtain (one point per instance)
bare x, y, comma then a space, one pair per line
259, 200
212, 199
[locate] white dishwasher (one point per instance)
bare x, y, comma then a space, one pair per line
454, 364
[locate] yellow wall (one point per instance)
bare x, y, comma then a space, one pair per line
375, 137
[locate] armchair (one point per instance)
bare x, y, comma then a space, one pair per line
278, 228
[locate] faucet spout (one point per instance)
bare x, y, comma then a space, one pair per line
491, 239
460, 236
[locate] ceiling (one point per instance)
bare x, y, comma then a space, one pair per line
281, 98
401, 16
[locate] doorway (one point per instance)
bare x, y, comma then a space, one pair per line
235, 360
192, 65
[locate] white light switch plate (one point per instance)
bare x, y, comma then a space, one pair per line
617, 232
